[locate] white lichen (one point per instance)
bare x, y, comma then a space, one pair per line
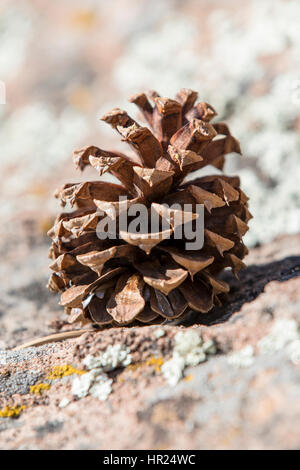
189, 350
82, 383
284, 335
64, 402
293, 351
284, 332
159, 333
187, 342
173, 369
209, 347
101, 388
242, 358
114, 356
96, 382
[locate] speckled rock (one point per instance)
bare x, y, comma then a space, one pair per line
244, 396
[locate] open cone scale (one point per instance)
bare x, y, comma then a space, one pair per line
149, 277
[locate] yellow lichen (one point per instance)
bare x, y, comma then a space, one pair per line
188, 378
58, 372
157, 362
135, 366
37, 389
83, 19
11, 412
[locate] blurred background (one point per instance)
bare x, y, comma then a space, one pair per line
64, 63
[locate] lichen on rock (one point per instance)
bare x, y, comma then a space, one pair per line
117, 355
189, 350
95, 383
284, 335
11, 412
242, 358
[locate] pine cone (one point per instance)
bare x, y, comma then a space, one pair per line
139, 277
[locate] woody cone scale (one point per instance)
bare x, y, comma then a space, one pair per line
150, 277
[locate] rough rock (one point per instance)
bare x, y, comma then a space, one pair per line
243, 397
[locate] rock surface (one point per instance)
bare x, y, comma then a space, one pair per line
243, 395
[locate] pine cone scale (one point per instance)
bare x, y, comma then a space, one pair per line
146, 276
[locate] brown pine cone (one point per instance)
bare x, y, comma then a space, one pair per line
149, 277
